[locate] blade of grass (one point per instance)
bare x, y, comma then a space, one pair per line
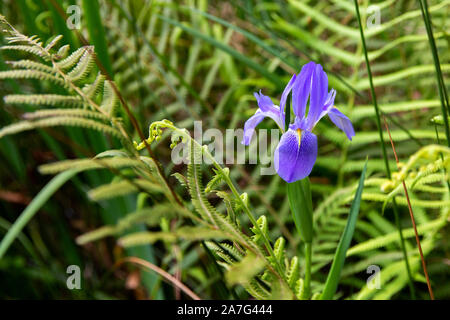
91, 10
34, 206
335, 272
383, 148
441, 85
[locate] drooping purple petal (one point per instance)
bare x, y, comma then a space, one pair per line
301, 89
264, 102
286, 92
295, 155
319, 94
253, 121
342, 122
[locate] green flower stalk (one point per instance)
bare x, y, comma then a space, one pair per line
300, 201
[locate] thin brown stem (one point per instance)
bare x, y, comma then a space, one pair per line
177, 283
411, 214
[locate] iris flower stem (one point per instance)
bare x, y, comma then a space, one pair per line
307, 284
383, 148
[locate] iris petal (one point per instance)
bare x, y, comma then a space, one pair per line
286, 91
330, 99
329, 104
253, 121
342, 122
319, 95
264, 102
295, 155
301, 90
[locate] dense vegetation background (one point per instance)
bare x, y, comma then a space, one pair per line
202, 60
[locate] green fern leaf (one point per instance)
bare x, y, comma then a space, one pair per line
44, 99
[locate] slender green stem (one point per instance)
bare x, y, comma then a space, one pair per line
307, 283
441, 86
383, 148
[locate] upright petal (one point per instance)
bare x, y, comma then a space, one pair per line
295, 155
319, 95
329, 104
286, 91
253, 121
301, 89
342, 122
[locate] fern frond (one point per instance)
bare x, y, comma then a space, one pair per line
83, 66
145, 238
97, 234
32, 74
393, 236
53, 43
88, 164
30, 64
110, 99
257, 290
59, 121
243, 271
28, 49
122, 188
293, 273
181, 179
186, 233
45, 99
70, 61
91, 90
82, 113
150, 216
279, 251
261, 231
196, 189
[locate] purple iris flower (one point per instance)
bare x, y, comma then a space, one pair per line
296, 153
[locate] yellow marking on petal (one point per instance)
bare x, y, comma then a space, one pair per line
299, 132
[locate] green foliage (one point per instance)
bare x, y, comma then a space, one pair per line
68, 72
199, 60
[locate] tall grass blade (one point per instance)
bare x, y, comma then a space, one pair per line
91, 10
339, 259
440, 79
37, 203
